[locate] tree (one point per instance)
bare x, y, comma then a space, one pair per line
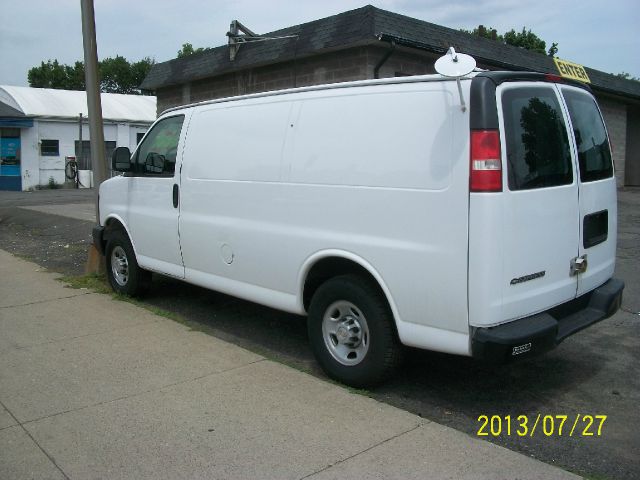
627, 76
54, 75
187, 49
116, 75
524, 39
490, 33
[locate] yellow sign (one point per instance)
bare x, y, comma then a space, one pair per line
572, 70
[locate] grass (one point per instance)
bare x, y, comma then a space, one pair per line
97, 283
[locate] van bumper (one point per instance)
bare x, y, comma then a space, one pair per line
539, 333
98, 238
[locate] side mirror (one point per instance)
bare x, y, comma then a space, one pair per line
121, 160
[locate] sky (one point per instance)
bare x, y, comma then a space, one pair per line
32, 31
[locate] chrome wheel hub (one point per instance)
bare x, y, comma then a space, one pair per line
120, 266
345, 332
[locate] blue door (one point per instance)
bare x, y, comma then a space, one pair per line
10, 176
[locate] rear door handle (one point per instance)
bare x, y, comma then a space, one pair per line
176, 195
578, 265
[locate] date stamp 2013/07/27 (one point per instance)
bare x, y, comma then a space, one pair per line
548, 425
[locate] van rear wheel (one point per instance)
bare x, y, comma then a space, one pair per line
352, 333
123, 271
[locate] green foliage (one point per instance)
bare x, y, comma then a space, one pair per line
187, 49
117, 75
627, 76
52, 183
523, 39
54, 75
490, 33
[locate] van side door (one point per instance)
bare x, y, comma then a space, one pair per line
153, 191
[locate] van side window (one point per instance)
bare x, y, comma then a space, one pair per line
157, 154
594, 155
537, 144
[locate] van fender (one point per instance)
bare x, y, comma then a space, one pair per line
317, 256
117, 217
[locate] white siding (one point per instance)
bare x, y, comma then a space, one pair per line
37, 169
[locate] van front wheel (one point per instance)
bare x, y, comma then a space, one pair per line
351, 330
125, 276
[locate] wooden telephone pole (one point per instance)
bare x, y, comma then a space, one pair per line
96, 131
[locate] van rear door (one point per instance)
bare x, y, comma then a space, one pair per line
540, 200
548, 234
597, 200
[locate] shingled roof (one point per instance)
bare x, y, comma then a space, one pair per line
360, 27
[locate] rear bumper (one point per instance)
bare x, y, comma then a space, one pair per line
541, 332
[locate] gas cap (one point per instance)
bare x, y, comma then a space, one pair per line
226, 252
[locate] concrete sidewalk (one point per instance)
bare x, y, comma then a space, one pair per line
91, 387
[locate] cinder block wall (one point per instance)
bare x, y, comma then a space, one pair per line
340, 66
615, 118
632, 159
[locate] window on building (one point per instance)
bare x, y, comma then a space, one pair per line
139, 136
50, 148
84, 157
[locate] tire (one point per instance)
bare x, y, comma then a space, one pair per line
352, 332
125, 276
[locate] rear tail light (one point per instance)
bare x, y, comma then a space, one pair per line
486, 163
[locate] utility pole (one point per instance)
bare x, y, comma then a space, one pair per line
96, 132
94, 104
79, 139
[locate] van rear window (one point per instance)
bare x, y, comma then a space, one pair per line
537, 145
594, 155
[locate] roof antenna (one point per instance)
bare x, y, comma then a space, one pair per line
456, 65
236, 38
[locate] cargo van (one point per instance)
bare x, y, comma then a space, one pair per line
474, 216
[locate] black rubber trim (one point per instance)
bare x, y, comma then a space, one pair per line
98, 238
483, 111
541, 332
499, 78
482, 104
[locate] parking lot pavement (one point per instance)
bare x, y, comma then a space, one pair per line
80, 211
97, 388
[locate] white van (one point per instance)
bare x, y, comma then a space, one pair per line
382, 210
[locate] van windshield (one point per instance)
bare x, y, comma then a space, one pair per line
537, 145
594, 155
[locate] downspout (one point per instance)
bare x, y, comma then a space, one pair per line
383, 60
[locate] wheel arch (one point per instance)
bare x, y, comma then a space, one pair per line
327, 264
115, 222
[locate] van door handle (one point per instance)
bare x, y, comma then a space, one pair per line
175, 195
578, 265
